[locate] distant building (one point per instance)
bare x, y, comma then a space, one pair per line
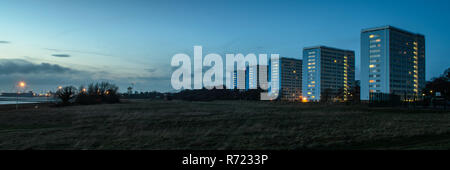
327, 73
238, 83
251, 77
392, 62
28, 94
291, 79
287, 71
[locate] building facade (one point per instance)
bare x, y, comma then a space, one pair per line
392, 62
286, 71
328, 73
291, 79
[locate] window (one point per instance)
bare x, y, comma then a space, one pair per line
372, 66
374, 36
375, 71
374, 41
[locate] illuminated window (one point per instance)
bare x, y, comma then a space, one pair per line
372, 66
313, 82
294, 71
371, 81
374, 41
335, 61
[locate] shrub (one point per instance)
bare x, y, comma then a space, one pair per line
97, 93
66, 94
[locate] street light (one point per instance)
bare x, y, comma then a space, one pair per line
20, 85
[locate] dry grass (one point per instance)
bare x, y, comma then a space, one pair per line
160, 125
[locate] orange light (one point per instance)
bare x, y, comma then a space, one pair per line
60, 87
304, 99
22, 84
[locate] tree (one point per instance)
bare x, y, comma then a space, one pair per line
440, 84
66, 94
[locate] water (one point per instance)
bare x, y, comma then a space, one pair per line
25, 100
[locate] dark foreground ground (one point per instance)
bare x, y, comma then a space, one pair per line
233, 125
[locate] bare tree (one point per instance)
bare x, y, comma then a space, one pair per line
66, 94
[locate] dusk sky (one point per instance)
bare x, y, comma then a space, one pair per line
48, 43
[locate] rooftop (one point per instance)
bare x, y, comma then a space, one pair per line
322, 46
387, 27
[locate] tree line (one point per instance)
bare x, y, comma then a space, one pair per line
94, 93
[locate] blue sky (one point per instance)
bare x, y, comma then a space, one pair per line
133, 41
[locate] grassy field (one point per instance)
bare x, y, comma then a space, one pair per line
247, 125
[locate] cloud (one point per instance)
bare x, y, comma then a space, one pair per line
45, 76
19, 66
61, 55
151, 70
4, 42
77, 51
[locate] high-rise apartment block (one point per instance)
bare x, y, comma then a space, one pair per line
328, 73
291, 79
392, 62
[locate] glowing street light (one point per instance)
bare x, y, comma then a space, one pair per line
304, 99
20, 85
59, 87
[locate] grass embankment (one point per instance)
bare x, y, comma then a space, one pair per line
222, 125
